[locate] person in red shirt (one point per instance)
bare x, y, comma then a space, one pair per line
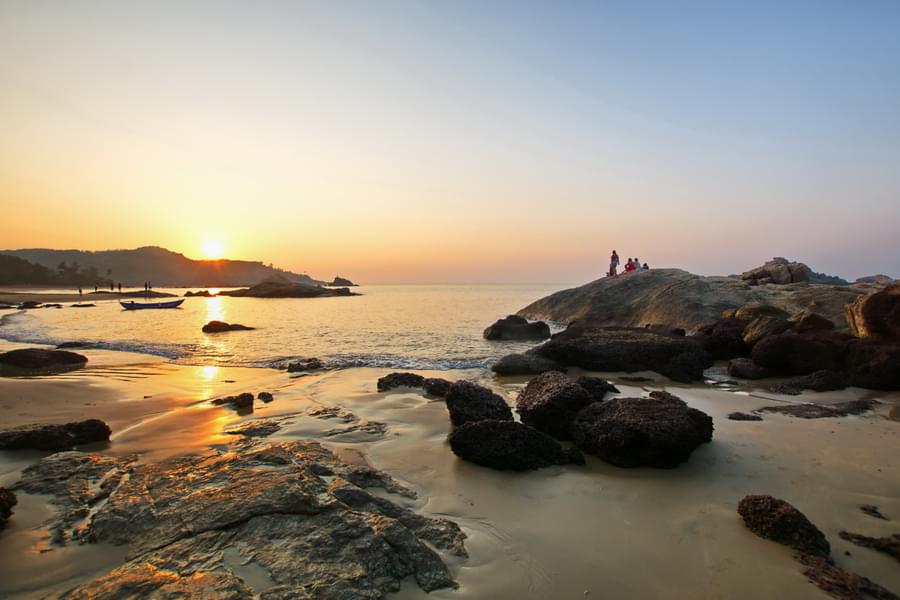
629, 266
613, 263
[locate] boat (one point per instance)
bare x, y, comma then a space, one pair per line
132, 305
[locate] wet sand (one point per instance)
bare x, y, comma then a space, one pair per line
562, 532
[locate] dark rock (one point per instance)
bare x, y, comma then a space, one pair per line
723, 339
751, 311
66, 345
620, 349
813, 322
889, 545
40, 360
255, 428
876, 315
395, 380
220, 326
739, 416
54, 437
596, 387
7, 501
819, 381
550, 402
85, 305
777, 520
762, 327
745, 368
665, 329
528, 363
801, 353
873, 511
341, 281
874, 365
822, 411
265, 396
435, 386
660, 431
510, 445
517, 328
278, 286
304, 365
467, 401
292, 508
241, 401
842, 584
202, 294
29, 304
635, 379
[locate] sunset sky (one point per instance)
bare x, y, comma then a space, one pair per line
456, 141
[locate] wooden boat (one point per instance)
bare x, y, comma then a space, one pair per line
132, 305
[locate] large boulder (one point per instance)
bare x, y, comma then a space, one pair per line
619, 349
723, 339
876, 315
517, 328
799, 354
529, 363
41, 360
745, 368
7, 501
777, 520
873, 365
762, 327
467, 401
220, 326
437, 387
660, 431
54, 437
550, 402
781, 271
812, 322
396, 380
509, 445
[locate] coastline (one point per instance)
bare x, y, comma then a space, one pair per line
561, 531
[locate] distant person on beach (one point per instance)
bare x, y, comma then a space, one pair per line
79, 291
120, 287
646, 267
613, 263
95, 289
112, 287
629, 266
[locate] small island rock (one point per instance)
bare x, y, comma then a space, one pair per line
221, 326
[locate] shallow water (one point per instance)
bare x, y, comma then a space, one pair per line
399, 326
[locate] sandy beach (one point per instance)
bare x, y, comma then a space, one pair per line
562, 532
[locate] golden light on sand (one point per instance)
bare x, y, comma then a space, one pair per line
213, 249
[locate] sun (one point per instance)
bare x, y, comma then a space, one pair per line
213, 249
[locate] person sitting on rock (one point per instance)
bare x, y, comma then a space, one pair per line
613, 263
637, 264
629, 266
646, 267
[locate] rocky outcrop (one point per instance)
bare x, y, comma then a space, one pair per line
762, 327
342, 282
304, 365
781, 271
7, 501
617, 349
54, 437
876, 315
39, 360
723, 339
240, 402
221, 326
265, 397
660, 431
817, 381
277, 286
529, 363
822, 411
799, 354
889, 545
201, 294
842, 584
396, 380
873, 365
550, 402
517, 328
777, 520
467, 401
745, 368
880, 279
509, 445
302, 517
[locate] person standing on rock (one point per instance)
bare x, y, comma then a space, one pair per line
613, 263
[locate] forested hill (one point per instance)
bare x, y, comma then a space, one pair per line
160, 266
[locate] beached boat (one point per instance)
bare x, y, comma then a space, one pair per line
132, 305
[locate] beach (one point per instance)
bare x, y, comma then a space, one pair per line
574, 531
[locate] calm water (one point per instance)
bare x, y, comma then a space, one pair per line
403, 326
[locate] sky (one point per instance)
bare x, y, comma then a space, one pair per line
456, 141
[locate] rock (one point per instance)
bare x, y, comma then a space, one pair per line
506, 444
295, 511
842, 584
889, 545
340, 281
872, 511
528, 363
777, 520
467, 401
755, 309
278, 286
616, 349
85, 305
7, 501
872, 364
822, 411
818, 381
265, 397
220, 326
67, 345
813, 322
781, 272
435, 386
799, 354
597, 388
880, 279
665, 329
40, 360
660, 431
304, 365
723, 338
739, 416
240, 402
517, 328
54, 437
745, 368
762, 327
395, 380
550, 402
28, 304
876, 315
202, 294
255, 428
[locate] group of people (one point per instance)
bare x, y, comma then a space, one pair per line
633, 264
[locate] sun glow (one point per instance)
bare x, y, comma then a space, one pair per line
213, 249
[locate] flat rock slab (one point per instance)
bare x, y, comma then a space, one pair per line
292, 509
889, 545
822, 411
39, 360
54, 437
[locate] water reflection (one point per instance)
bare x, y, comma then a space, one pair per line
215, 309
208, 374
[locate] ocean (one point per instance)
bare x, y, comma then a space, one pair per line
433, 327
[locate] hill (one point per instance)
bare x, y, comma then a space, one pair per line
160, 266
15, 270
